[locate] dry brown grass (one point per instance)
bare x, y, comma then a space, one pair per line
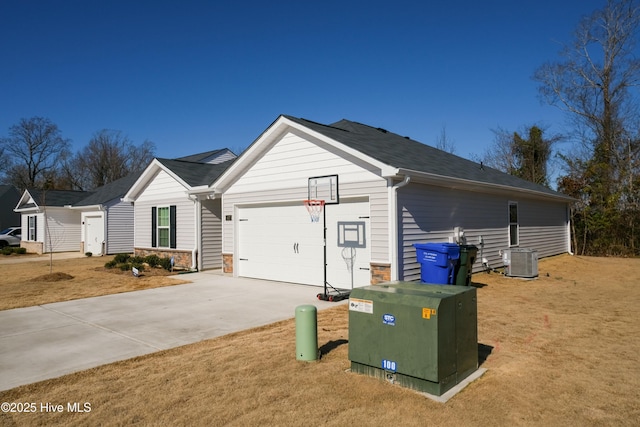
564, 351
31, 283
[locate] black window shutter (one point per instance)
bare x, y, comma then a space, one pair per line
172, 226
154, 226
35, 228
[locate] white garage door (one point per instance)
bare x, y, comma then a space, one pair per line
281, 243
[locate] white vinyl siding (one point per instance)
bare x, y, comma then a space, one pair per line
290, 162
281, 175
429, 214
163, 190
61, 231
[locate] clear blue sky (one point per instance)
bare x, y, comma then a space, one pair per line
192, 76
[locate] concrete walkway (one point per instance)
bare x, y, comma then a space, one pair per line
47, 341
43, 257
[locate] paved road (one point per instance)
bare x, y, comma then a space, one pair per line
47, 341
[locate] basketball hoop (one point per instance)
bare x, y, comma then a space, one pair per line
314, 207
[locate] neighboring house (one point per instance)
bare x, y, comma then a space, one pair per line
392, 192
9, 196
95, 221
176, 213
106, 220
48, 225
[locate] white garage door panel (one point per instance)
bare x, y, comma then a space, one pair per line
338, 274
280, 243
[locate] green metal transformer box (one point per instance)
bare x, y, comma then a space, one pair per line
424, 337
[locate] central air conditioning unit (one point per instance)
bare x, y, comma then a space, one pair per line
520, 262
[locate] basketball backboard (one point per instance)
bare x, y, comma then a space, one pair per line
324, 188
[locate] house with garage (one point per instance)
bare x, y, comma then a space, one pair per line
382, 193
48, 225
97, 221
106, 220
176, 214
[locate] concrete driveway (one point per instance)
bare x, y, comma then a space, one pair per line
47, 341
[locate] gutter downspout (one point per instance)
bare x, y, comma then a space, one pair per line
197, 237
393, 225
569, 229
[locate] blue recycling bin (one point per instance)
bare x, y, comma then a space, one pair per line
437, 262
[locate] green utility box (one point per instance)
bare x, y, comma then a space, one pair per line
424, 337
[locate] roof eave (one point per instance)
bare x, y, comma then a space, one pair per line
202, 190
98, 207
471, 185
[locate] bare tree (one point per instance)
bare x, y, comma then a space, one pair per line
34, 147
444, 143
5, 163
593, 83
500, 154
525, 154
110, 155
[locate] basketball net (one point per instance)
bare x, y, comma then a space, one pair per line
349, 257
314, 207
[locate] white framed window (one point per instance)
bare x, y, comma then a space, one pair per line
163, 226
513, 224
32, 228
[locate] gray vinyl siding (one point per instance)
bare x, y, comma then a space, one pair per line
375, 190
429, 214
543, 227
120, 228
211, 236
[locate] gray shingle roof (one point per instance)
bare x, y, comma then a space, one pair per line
6, 189
58, 198
108, 192
404, 153
193, 173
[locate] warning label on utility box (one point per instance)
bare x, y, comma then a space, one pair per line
361, 305
428, 312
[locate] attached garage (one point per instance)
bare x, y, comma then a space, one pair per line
393, 192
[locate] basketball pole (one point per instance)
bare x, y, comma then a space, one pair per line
339, 294
324, 246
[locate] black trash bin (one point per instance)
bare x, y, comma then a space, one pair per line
468, 254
